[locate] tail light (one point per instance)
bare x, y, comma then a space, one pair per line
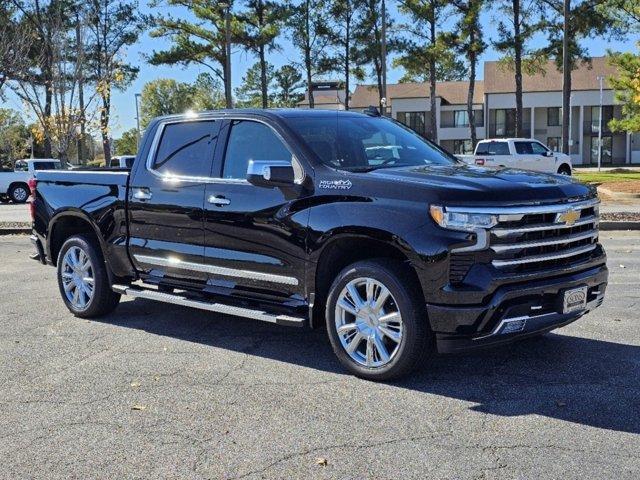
480, 161
33, 183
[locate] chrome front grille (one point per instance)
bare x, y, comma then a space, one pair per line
532, 238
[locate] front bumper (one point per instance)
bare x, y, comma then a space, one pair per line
514, 312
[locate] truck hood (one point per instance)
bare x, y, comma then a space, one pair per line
465, 184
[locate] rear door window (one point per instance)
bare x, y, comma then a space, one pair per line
498, 148
482, 149
186, 149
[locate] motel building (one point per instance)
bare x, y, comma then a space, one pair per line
409, 103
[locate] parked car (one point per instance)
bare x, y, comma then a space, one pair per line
14, 184
524, 153
292, 217
122, 161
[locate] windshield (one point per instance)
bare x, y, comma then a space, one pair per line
367, 143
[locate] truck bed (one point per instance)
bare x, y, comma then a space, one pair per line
98, 197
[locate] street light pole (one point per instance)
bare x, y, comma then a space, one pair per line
137, 95
383, 55
600, 79
566, 76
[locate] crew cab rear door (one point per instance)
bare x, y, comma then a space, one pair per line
166, 197
254, 239
494, 153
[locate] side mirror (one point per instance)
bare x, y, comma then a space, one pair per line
548, 153
270, 173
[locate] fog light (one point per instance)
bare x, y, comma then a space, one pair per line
514, 326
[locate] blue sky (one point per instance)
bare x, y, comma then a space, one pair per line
124, 104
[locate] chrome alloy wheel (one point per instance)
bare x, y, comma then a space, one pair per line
77, 277
20, 194
368, 322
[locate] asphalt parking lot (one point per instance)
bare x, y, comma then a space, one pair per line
14, 213
158, 391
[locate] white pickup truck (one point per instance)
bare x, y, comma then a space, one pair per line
14, 184
122, 161
522, 153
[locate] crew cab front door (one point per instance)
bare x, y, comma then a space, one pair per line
166, 198
534, 156
254, 239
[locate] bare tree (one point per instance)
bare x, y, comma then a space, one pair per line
55, 102
14, 47
112, 25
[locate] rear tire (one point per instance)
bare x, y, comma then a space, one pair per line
19, 193
83, 280
392, 336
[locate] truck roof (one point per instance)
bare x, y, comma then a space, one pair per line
511, 139
268, 112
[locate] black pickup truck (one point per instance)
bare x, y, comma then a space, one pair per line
310, 218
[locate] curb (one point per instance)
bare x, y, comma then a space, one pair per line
15, 231
619, 195
610, 225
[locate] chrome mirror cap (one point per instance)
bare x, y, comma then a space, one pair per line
271, 173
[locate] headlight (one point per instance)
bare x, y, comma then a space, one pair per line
467, 222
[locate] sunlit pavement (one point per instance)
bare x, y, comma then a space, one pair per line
158, 391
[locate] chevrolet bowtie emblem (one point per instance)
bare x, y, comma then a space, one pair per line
569, 217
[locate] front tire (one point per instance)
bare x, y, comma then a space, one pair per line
83, 280
376, 320
19, 193
564, 170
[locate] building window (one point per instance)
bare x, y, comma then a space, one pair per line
460, 118
505, 123
462, 147
554, 116
414, 120
554, 143
607, 116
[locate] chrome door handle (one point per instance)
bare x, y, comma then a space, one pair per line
142, 194
219, 200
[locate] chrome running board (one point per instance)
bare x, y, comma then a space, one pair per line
278, 319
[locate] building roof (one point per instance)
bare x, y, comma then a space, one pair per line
454, 93
500, 80
333, 97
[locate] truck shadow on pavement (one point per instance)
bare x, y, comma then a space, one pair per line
585, 381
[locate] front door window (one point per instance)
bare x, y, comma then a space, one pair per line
248, 141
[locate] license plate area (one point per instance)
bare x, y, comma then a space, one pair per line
574, 300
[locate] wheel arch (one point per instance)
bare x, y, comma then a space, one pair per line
343, 248
66, 224
564, 166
